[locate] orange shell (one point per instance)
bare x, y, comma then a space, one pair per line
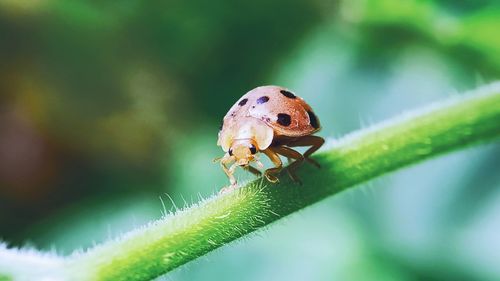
267, 106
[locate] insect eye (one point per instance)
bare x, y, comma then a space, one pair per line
253, 150
230, 152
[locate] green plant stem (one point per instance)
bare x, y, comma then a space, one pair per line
28, 264
181, 237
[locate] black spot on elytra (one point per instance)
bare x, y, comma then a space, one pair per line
242, 102
288, 94
313, 119
262, 99
284, 119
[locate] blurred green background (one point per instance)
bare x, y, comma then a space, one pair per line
107, 106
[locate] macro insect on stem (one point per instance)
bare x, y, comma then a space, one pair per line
271, 120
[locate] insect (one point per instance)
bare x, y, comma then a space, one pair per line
271, 120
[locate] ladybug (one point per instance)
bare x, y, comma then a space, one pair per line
271, 120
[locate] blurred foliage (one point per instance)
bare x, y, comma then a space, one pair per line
105, 87
106, 105
468, 37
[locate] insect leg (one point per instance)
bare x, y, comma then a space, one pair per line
290, 153
253, 170
229, 171
314, 141
269, 173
